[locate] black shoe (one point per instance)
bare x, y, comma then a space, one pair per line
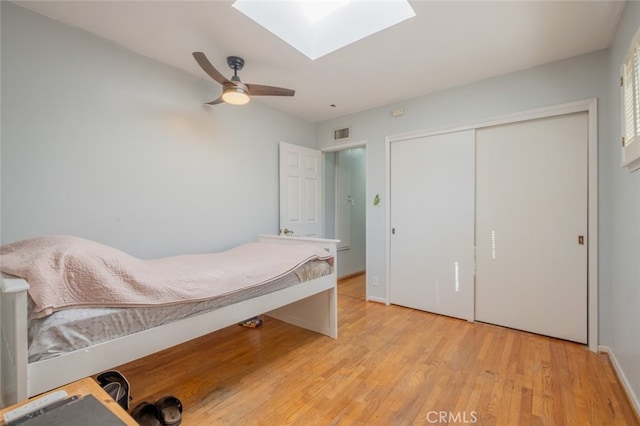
170, 409
120, 394
146, 414
114, 390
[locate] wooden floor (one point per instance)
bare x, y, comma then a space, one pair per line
389, 366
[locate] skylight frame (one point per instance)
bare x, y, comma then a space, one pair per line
344, 25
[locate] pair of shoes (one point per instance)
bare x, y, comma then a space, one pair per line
252, 322
165, 411
117, 386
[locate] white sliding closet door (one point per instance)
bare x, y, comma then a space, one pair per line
531, 226
432, 220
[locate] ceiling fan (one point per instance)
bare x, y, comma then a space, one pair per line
234, 91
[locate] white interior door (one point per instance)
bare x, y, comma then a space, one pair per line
300, 191
531, 226
432, 219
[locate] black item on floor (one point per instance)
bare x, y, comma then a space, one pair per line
170, 410
146, 414
120, 394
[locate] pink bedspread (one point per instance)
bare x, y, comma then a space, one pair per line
66, 272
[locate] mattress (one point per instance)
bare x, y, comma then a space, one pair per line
72, 329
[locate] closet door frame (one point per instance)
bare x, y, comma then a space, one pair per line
588, 105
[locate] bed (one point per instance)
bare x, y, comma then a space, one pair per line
311, 304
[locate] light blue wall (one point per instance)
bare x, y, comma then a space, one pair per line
622, 232
329, 194
103, 143
106, 144
578, 78
352, 260
353, 161
593, 75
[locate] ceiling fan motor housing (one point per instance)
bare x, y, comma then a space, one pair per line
235, 62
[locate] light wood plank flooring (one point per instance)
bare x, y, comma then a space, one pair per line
389, 366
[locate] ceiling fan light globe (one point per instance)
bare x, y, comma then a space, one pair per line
235, 96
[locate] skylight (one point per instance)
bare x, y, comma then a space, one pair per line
316, 11
319, 27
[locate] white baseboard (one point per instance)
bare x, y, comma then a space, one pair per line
635, 403
377, 300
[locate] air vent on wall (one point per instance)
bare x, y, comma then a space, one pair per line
341, 134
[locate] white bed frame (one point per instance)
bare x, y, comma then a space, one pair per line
312, 305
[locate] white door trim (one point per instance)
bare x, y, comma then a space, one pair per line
341, 147
588, 105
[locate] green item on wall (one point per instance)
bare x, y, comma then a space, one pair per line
376, 200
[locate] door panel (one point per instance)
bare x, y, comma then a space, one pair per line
432, 215
300, 191
531, 209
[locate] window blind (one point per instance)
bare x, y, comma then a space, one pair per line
631, 105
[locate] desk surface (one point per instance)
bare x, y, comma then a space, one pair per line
84, 387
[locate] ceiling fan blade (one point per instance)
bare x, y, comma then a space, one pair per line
260, 90
217, 101
209, 68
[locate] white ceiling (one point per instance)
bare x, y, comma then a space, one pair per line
448, 43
